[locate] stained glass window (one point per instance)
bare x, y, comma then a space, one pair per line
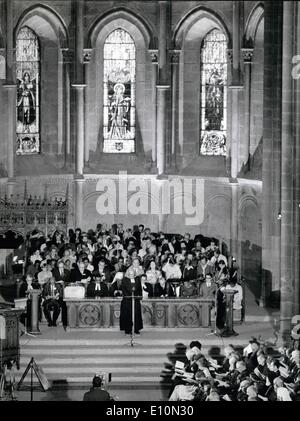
28, 92
119, 93
213, 94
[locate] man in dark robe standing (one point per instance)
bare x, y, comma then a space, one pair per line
131, 284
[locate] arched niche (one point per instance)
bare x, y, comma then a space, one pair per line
257, 88
91, 215
217, 218
188, 37
94, 76
252, 23
53, 37
250, 243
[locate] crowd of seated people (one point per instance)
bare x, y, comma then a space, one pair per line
168, 266
256, 373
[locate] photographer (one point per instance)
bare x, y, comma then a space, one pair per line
96, 393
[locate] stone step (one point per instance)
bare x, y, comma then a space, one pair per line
112, 361
116, 380
91, 369
141, 341
92, 352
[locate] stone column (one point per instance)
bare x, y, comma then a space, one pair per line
79, 151
161, 128
10, 87
162, 88
35, 295
87, 55
11, 135
78, 205
175, 58
236, 43
79, 87
287, 155
234, 221
235, 87
297, 177
154, 59
67, 56
247, 56
271, 149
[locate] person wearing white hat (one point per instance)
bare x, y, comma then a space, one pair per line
115, 289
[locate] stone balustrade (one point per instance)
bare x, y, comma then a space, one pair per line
156, 312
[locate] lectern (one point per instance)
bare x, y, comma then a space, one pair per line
228, 330
35, 298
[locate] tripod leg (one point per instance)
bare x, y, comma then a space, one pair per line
25, 374
1, 384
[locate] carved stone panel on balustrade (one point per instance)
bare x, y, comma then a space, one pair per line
115, 309
105, 312
90, 314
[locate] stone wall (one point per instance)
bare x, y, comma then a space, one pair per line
231, 212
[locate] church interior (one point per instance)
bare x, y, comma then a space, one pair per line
148, 131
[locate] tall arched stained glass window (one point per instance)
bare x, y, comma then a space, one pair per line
213, 94
119, 93
28, 92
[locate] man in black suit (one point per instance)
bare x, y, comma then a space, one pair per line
80, 274
97, 288
103, 270
96, 393
28, 285
52, 293
61, 274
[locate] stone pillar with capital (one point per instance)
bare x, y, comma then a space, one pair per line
67, 58
271, 163
235, 86
162, 88
175, 59
247, 57
154, 60
87, 55
79, 87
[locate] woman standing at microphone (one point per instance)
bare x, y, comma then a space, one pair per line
131, 285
